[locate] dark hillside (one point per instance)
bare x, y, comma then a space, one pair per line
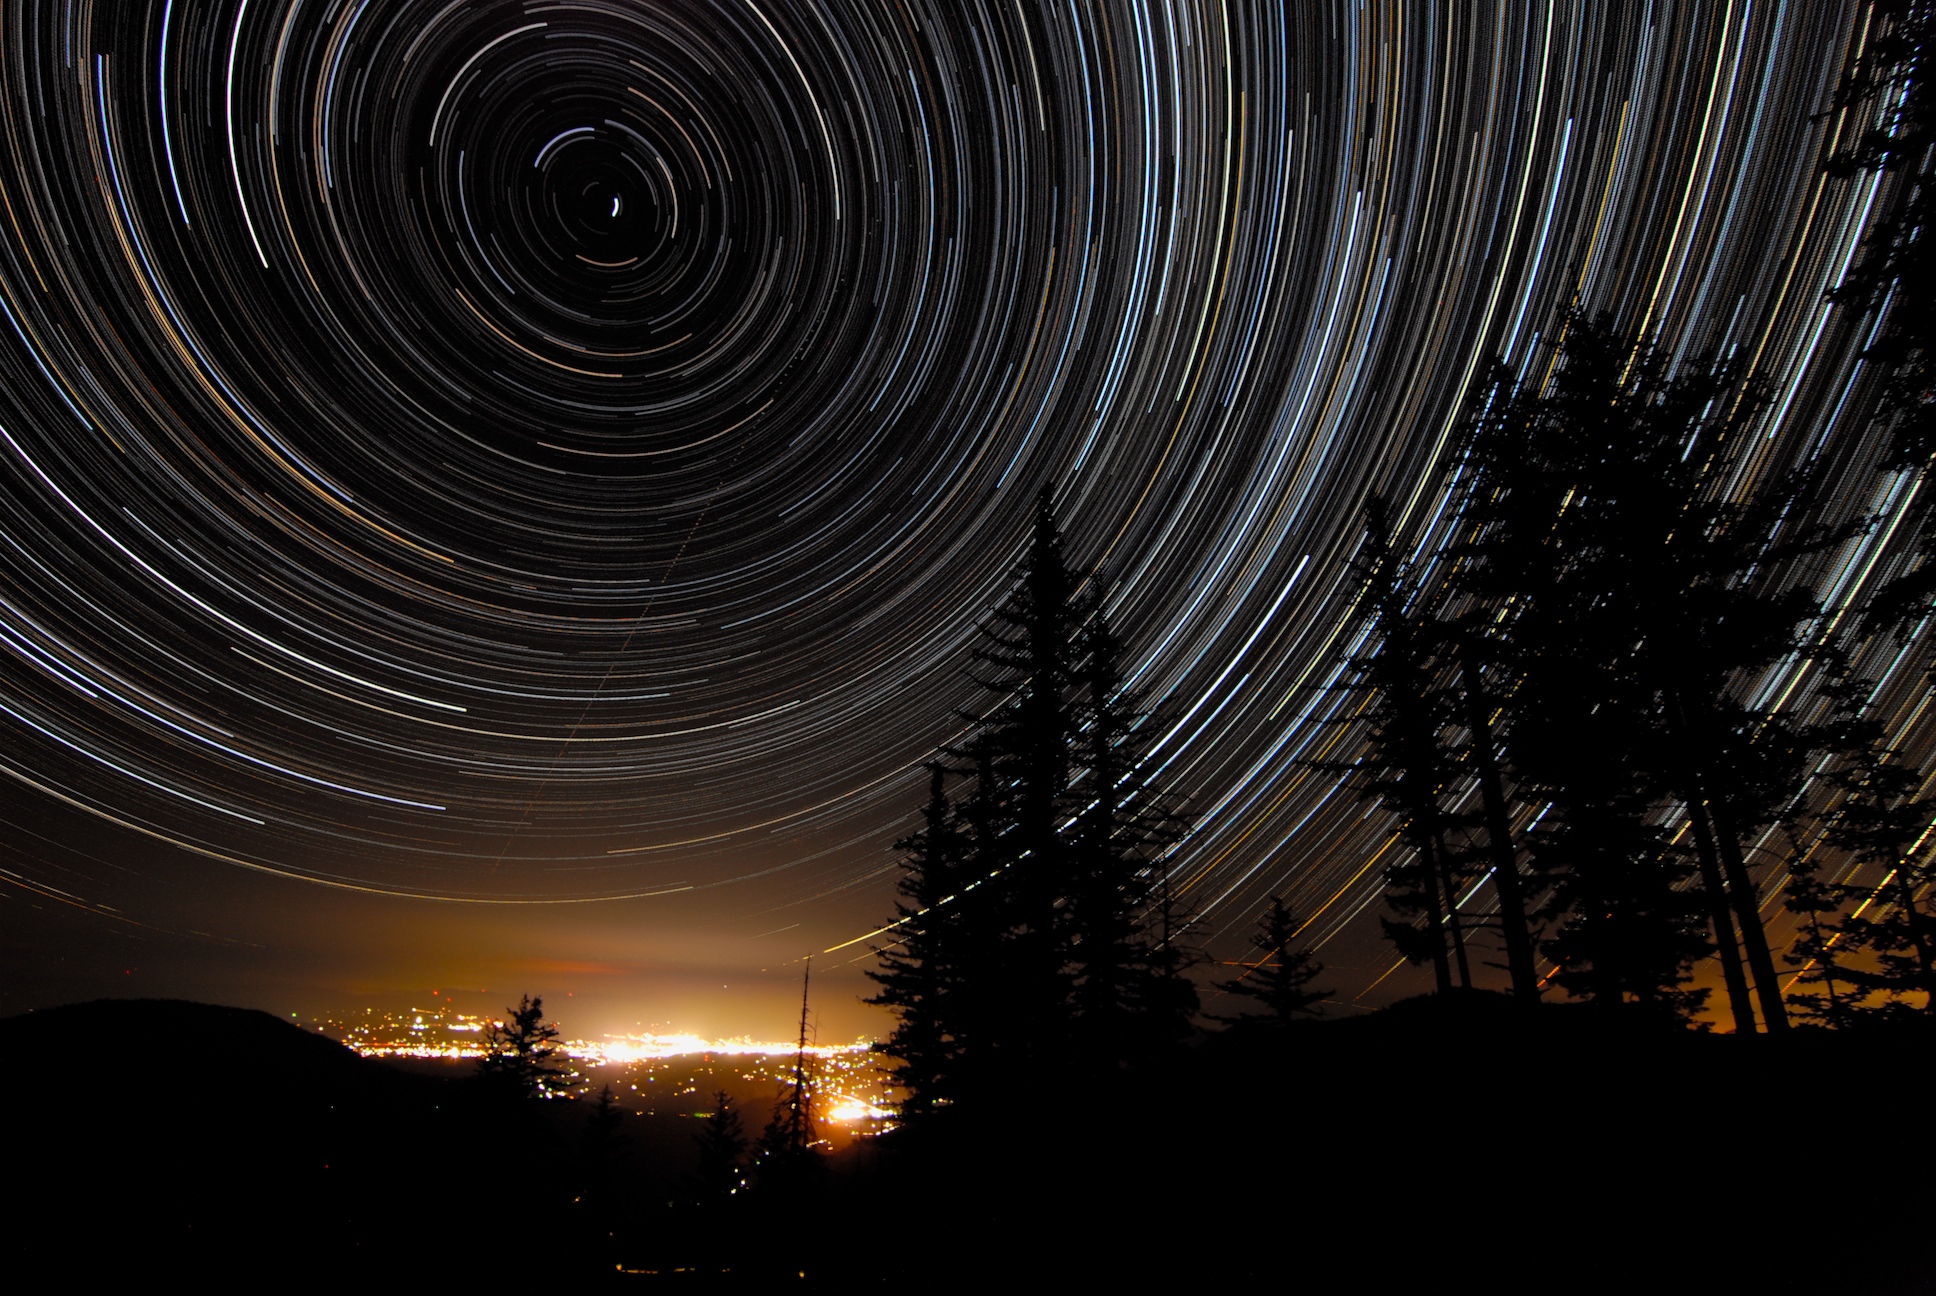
156, 1134
1459, 1144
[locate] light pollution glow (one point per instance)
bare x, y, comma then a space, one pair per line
420, 1038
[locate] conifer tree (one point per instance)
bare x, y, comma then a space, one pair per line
1167, 1001
1637, 588
602, 1125
1538, 547
1127, 950
1028, 661
1818, 903
1884, 927
788, 1148
1476, 708
1280, 980
922, 975
1040, 927
1891, 96
1406, 765
599, 1147
721, 1173
521, 1053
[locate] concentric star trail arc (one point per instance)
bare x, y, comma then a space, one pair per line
515, 450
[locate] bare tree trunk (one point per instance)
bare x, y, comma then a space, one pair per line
1452, 911
1441, 969
1739, 1003
1740, 890
1913, 918
1747, 911
1506, 881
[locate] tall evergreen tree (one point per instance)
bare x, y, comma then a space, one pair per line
1477, 707
1891, 95
1127, 952
521, 1053
723, 1148
1638, 587
1029, 661
1280, 980
1875, 931
602, 1136
1040, 928
599, 1147
1406, 764
1538, 553
923, 974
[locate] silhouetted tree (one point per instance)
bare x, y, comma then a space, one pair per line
521, 1053
1637, 587
924, 974
723, 1148
1477, 706
1127, 952
1818, 903
1281, 978
599, 1145
1039, 926
1405, 765
1025, 748
1875, 936
602, 1137
1538, 544
788, 1149
1167, 1002
1891, 96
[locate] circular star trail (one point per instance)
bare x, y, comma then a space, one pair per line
562, 450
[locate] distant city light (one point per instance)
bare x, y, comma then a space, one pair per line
848, 1087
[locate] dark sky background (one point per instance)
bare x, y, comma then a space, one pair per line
499, 495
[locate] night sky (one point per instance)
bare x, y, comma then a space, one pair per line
502, 493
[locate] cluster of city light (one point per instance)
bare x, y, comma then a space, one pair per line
853, 1111
609, 1052
420, 1050
844, 1078
622, 1049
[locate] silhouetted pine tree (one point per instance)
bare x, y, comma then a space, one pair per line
1040, 928
602, 1136
1406, 765
1132, 992
1280, 980
980, 915
1638, 588
1539, 544
1891, 95
721, 1173
922, 975
599, 1146
1478, 707
1884, 926
1029, 658
1818, 903
1167, 1001
521, 1053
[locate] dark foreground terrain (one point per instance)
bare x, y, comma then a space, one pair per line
1437, 1146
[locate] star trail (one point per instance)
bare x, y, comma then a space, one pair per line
561, 451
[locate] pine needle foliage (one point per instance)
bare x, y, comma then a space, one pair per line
1039, 929
521, 1053
1279, 981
